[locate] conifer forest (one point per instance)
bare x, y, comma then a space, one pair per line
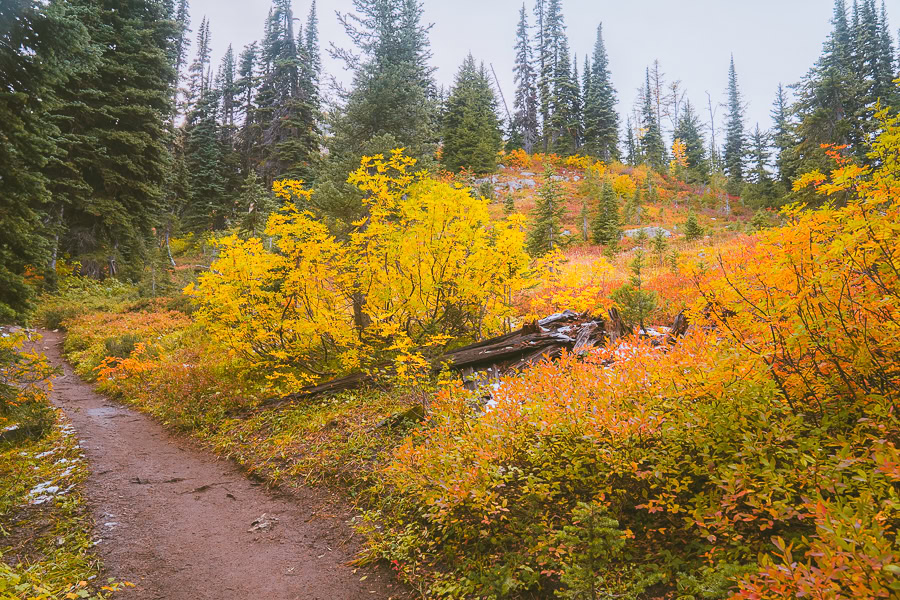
319, 317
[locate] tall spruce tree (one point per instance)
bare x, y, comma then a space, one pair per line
393, 102
653, 149
689, 132
734, 132
829, 101
782, 135
606, 227
471, 128
601, 121
42, 45
525, 130
287, 114
115, 136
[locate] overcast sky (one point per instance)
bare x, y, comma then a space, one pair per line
772, 40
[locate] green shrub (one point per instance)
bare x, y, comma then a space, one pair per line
121, 346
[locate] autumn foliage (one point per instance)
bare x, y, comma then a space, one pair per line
757, 458
425, 267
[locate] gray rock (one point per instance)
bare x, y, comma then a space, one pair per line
650, 232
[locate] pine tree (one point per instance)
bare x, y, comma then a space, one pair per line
393, 102
601, 119
180, 52
631, 145
393, 87
653, 150
734, 134
39, 44
287, 114
829, 100
247, 84
563, 120
544, 234
760, 191
471, 127
692, 229
688, 131
577, 122
198, 83
525, 126
606, 227
115, 138
782, 136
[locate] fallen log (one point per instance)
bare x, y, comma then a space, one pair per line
540, 340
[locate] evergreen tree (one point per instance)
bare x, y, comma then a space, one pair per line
207, 205
688, 130
653, 149
246, 84
544, 234
563, 120
41, 44
180, 51
600, 116
198, 82
606, 227
692, 229
255, 206
471, 127
782, 136
393, 88
286, 114
631, 145
393, 102
525, 126
577, 123
760, 191
734, 134
635, 304
114, 136
829, 100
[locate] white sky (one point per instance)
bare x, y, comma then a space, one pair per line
772, 40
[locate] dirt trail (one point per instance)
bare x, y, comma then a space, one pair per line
174, 520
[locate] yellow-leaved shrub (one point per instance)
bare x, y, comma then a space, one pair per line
425, 268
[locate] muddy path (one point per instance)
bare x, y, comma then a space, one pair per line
182, 525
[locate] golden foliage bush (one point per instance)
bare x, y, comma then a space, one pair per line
424, 268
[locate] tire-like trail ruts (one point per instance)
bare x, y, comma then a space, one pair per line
174, 520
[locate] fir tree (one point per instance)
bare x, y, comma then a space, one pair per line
653, 150
600, 116
287, 115
544, 234
39, 45
180, 50
114, 126
393, 102
734, 134
393, 88
760, 192
525, 126
606, 227
782, 135
828, 102
635, 304
692, 229
563, 120
688, 130
471, 127
632, 151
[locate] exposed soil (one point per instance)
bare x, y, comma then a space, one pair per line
176, 522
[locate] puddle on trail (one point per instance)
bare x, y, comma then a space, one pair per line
107, 412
